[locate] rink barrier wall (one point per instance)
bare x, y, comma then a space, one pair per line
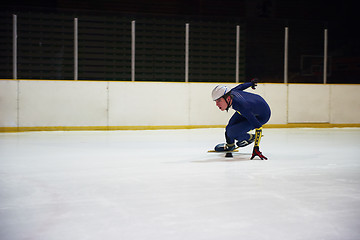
136, 128
58, 105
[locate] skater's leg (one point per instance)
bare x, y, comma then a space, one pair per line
237, 128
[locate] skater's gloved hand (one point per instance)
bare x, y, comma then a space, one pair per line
256, 152
254, 82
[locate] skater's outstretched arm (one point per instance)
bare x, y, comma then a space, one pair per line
252, 84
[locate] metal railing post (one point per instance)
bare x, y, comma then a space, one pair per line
76, 49
325, 56
286, 55
187, 52
237, 53
133, 50
14, 46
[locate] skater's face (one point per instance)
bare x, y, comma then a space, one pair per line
222, 104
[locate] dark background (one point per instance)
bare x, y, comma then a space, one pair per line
262, 39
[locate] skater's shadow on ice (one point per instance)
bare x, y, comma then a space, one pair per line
237, 157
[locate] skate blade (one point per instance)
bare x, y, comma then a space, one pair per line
213, 151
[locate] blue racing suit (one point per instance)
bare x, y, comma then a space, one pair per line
252, 112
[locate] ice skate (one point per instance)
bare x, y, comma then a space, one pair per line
224, 147
244, 143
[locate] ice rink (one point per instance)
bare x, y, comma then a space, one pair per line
163, 185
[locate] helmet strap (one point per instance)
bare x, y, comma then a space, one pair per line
228, 102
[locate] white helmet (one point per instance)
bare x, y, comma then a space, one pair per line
219, 91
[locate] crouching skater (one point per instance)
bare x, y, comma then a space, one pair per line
251, 112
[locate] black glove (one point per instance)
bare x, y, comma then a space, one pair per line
254, 82
256, 152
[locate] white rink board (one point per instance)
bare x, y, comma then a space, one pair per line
8, 103
276, 96
34, 103
345, 104
309, 103
62, 103
148, 104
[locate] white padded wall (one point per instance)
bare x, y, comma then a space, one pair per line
62, 103
345, 104
309, 103
276, 97
8, 103
31, 103
148, 104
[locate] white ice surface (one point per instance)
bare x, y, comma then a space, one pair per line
163, 185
